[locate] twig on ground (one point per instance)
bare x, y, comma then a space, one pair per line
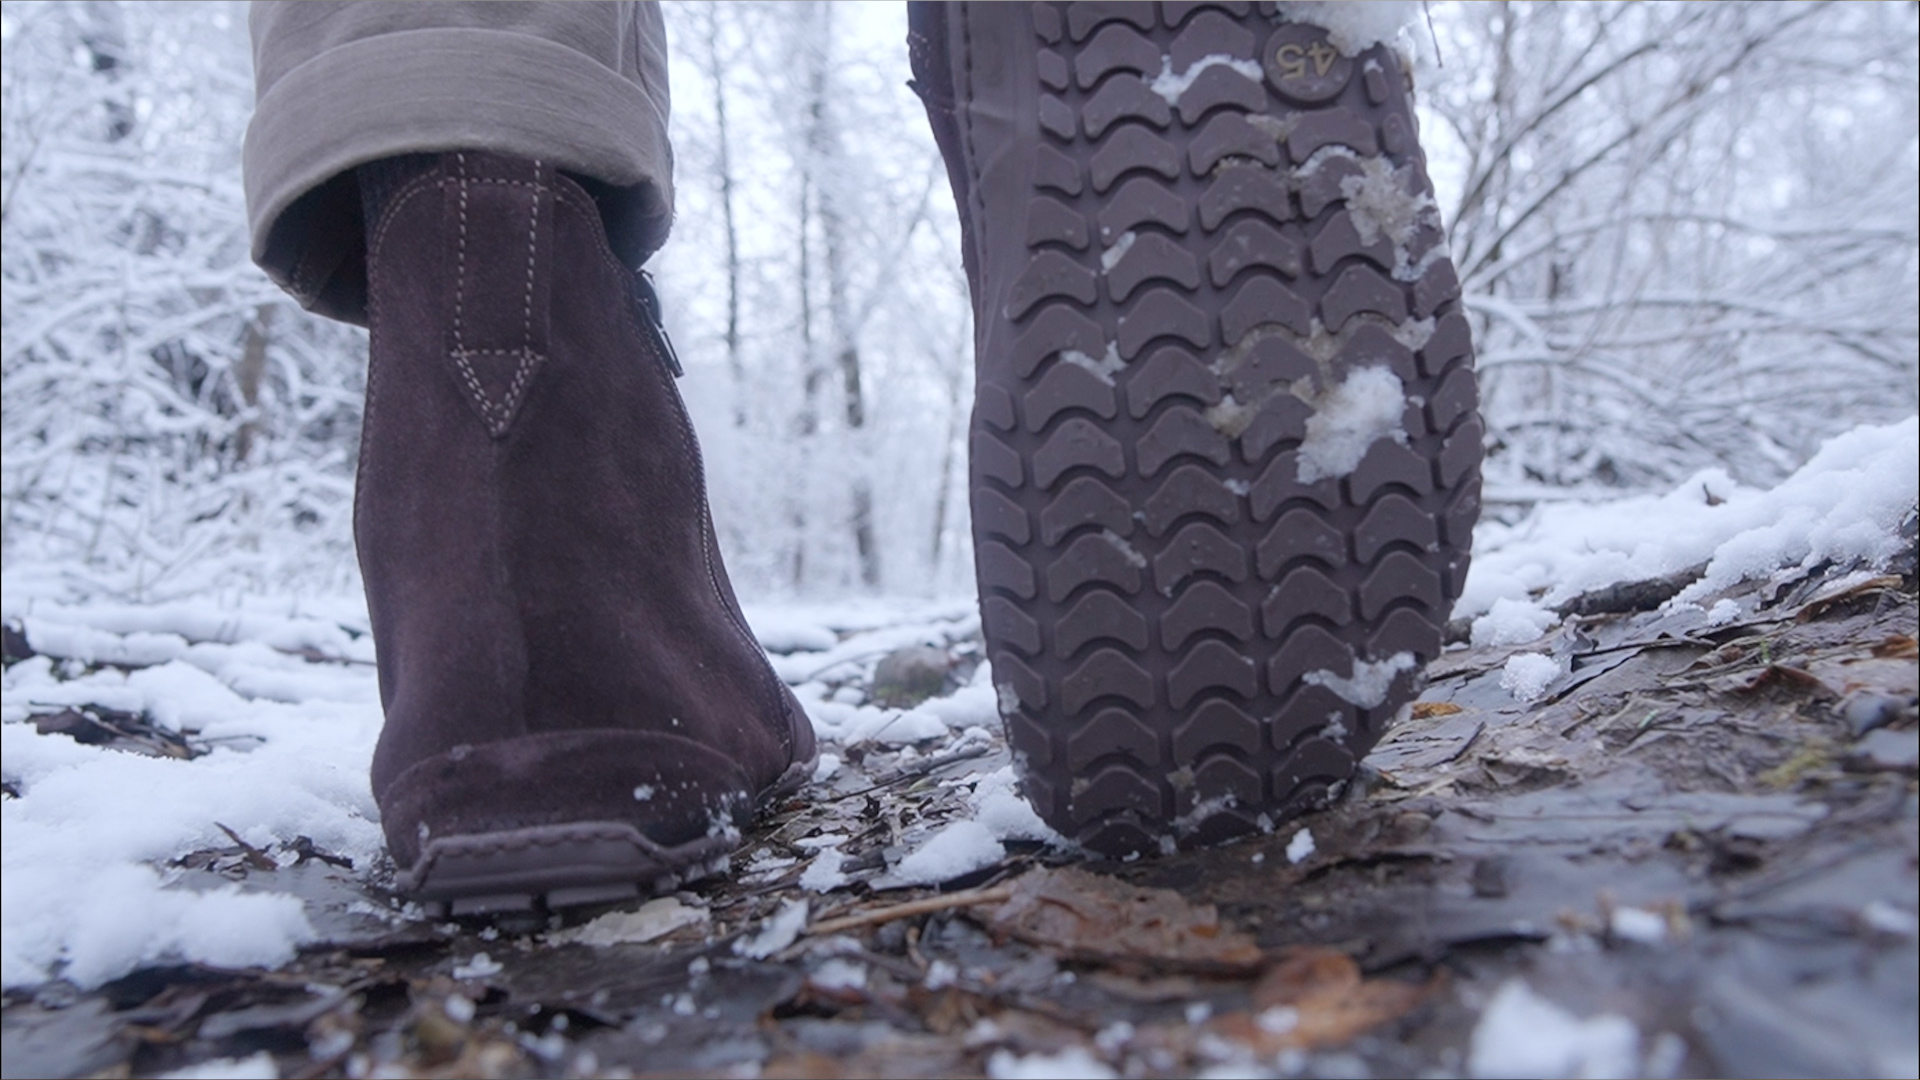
924, 906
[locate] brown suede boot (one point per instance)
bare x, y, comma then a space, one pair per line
575, 708
1225, 458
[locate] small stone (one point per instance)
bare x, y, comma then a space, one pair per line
906, 677
1490, 878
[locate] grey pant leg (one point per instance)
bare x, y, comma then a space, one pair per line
582, 85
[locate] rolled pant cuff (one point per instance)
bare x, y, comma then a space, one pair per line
422, 91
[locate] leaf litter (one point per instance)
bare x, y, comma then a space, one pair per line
1620, 856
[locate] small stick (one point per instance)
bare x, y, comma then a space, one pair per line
923, 906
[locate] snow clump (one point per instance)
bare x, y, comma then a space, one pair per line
1072, 1063
1844, 505
1355, 28
1301, 846
1367, 687
1527, 676
1512, 622
998, 804
260, 1066
1350, 418
960, 847
776, 933
1170, 86
1521, 1034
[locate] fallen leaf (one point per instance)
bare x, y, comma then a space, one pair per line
1313, 998
1087, 916
1845, 589
1873, 674
1423, 710
654, 919
1745, 682
1897, 647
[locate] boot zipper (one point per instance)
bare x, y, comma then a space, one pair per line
649, 300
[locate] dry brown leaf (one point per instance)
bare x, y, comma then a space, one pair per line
1868, 674
1423, 710
1088, 916
1844, 590
1746, 682
1330, 1003
1897, 647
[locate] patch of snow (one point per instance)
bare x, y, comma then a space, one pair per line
1844, 505
998, 805
1349, 419
1385, 202
1170, 85
1887, 919
1114, 1037
478, 966
1527, 676
1008, 699
79, 897
1724, 611
1127, 551
973, 705
825, 768
1521, 1034
1279, 1019
1301, 846
839, 973
259, 1066
1229, 417
776, 933
1117, 251
789, 630
960, 847
1638, 924
823, 874
642, 792
654, 919
1107, 366
1370, 682
1072, 1063
1355, 28
940, 975
1512, 622
852, 724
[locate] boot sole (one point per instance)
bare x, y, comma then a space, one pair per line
1200, 609
559, 866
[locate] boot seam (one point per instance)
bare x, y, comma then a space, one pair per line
565, 194
498, 416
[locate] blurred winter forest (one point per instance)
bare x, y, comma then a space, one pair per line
1687, 233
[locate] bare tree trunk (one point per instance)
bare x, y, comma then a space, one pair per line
104, 35
807, 422
248, 373
723, 165
829, 158
943, 492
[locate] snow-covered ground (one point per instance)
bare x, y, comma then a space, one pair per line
277, 697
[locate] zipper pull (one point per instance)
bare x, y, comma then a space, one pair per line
650, 303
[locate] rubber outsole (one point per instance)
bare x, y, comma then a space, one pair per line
1225, 468
550, 867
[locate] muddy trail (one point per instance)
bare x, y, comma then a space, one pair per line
1692, 851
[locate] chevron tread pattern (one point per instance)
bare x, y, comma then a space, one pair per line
1195, 634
